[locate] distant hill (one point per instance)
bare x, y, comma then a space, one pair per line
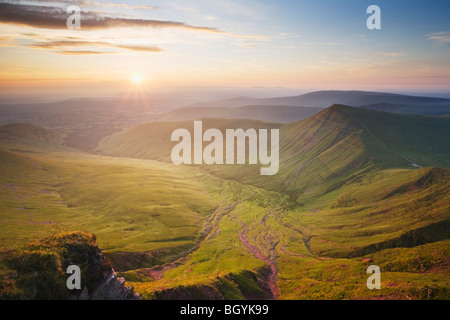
342, 141
153, 140
356, 187
324, 99
84, 121
319, 151
278, 114
433, 109
29, 134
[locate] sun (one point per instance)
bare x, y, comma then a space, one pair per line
137, 79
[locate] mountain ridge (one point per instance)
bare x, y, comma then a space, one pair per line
336, 142
323, 99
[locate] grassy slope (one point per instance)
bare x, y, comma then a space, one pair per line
318, 152
37, 270
133, 206
437, 109
366, 199
406, 274
357, 190
28, 136
277, 114
153, 140
314, 153
324, 247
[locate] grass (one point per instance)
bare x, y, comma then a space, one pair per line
37, 270
318, 154
345, 196
133, 206
418, 273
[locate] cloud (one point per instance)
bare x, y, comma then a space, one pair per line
6, 41
287, 35
211, 18
140, 48
124, 6
440, 37
62, 44
86, 3
247, 45
392, 54
83, 53
332, 44
55, 18
187, 9
249, 10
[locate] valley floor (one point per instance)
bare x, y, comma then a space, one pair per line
179, 233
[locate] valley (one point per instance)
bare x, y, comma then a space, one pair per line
356, 187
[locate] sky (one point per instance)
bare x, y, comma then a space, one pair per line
299, 44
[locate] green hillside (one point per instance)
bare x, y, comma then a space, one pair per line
348, 142
323, 99
277, 114
350, 193
131, 205
315, 153
433, 109
50, 257
28, 135
153, 140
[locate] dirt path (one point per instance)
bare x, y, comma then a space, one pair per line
270, 259
210, 230
306, 239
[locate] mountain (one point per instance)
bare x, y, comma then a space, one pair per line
350, 193
318, 151
343, 140
84, 121
323, 99
278, 114
432, 109
153, 140
360, 98
28, 134
355, 187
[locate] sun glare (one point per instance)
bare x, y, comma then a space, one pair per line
137, 79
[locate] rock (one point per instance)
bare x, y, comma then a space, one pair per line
113, 288
84, 294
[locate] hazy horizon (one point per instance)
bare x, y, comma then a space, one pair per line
194, 94
141, 47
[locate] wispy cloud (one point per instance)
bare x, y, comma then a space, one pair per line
83, 53
246, 45
62, 44
248, 9
211, 18
440, 37
287, 35
55, 18
186, 9
123, 6
85, 3
392, 54
6, 41
331, 44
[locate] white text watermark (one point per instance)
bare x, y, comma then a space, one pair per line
237, 141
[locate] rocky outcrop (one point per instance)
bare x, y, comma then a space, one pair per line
112, 288
37, 271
